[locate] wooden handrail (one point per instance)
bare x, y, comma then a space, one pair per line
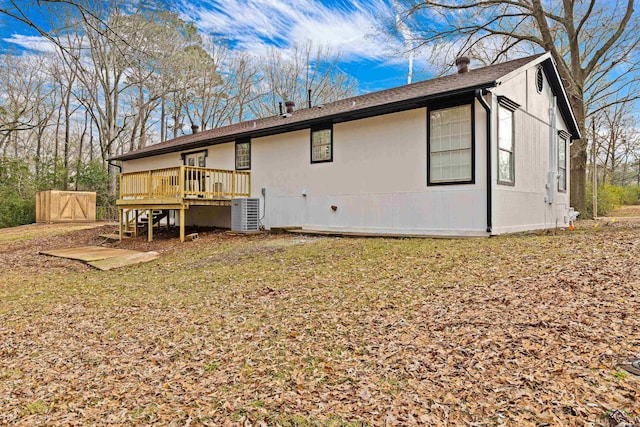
183, 182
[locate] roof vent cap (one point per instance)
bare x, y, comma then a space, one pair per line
291, 106
195, 128
462, 63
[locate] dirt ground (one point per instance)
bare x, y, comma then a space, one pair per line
528, 329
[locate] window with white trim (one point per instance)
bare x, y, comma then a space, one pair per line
562, 162
195, 158
451, 145
243, 154
322, 144
506, 145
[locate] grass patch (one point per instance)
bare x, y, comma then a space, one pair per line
304, 331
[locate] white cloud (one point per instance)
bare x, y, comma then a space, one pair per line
256, 25
34, 43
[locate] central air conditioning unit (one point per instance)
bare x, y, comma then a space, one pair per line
245, 214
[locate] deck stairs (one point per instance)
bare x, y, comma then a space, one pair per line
140, 226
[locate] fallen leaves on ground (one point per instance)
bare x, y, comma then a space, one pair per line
522, 330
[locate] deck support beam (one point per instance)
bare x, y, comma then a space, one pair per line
182, 224
150, 225
120, 220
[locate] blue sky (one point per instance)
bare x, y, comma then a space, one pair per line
348, 27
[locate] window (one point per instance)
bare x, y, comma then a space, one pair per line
243, 154
451, 145
196, 158
506, 159
562, 161
322, 144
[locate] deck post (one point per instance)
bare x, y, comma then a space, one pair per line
135, 225
124, 220
182, 182
149, 184
182, 224
150, 225
120, 215
233, 184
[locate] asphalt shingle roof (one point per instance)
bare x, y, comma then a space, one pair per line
398, 99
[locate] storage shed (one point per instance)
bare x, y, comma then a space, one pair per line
65, 206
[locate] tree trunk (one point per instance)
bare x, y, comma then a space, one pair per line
578, 188
163, 128
55, 150
67, 142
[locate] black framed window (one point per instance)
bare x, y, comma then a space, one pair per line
563, 137
506, 146
195, 158
322, 144
451, 145
243, 154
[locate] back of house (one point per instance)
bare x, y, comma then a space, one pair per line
476, 153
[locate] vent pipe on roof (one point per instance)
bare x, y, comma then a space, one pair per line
280, 107
195, 128
309, 97
291, 106
463, 64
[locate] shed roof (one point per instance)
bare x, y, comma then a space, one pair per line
396, 99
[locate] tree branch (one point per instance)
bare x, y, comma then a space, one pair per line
614, 37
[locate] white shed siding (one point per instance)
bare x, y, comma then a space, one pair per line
523, 206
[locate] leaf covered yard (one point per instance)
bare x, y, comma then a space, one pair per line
292, 330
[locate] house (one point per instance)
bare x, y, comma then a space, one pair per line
477, 153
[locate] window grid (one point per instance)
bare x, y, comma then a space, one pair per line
243, 155
450, 145
321, 145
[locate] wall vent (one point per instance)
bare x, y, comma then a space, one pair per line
244, 214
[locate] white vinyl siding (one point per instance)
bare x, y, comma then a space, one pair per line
450, 145
506, 161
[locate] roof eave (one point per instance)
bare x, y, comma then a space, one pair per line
547, 61
565, 106
373, 111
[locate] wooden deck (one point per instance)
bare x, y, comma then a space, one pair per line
177, 188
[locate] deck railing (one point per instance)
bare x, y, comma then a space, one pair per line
184, 182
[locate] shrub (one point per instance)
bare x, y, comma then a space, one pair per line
17, 192
610, 197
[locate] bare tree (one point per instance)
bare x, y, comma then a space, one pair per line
23, 84
618, 142
591, 41
288, 76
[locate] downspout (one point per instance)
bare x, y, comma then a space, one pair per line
552, 175
114, 165
487, 109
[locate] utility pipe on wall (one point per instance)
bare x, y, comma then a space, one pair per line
552, 175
